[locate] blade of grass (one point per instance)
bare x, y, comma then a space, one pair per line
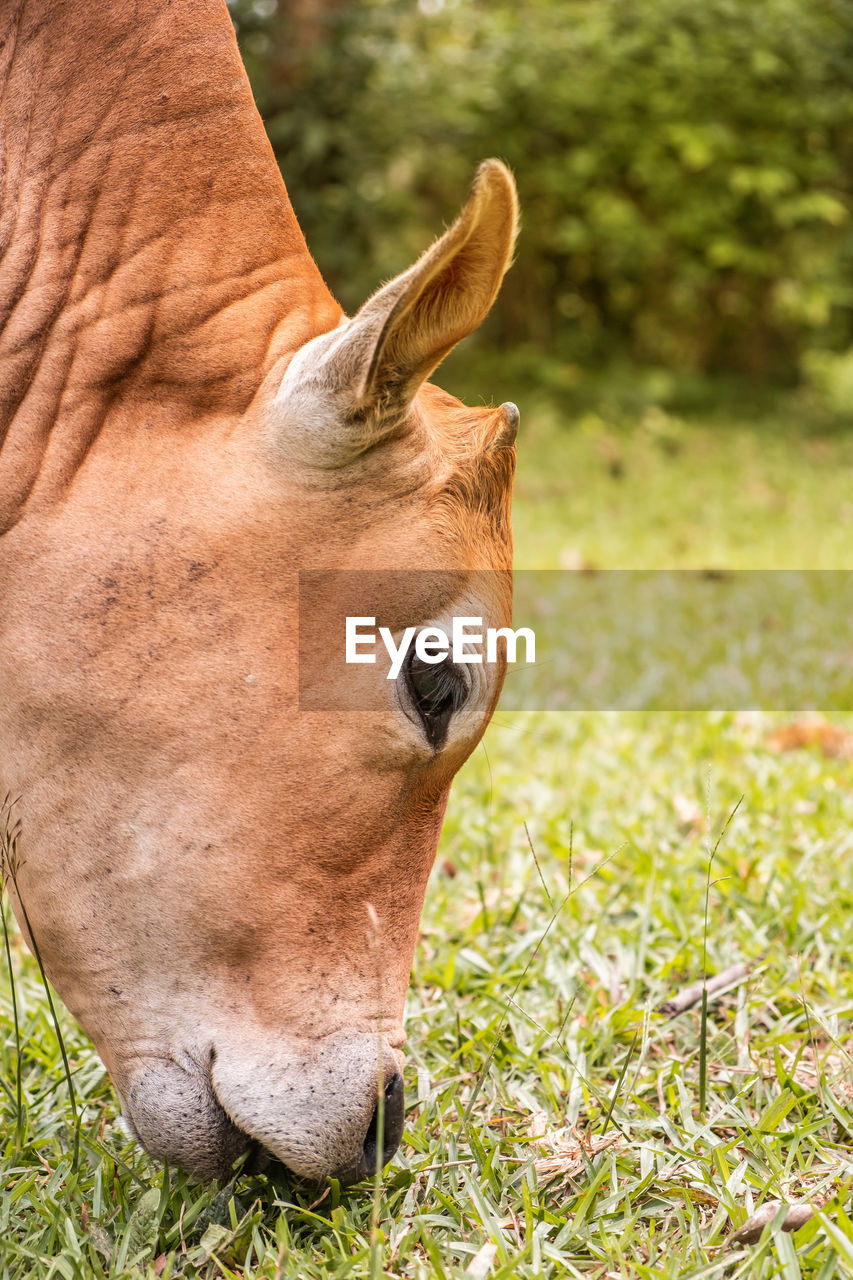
703, 1024
475, 1092
628, 1056
19, 1076
9, 861
539, 870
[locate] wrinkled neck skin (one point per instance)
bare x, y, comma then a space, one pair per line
152, 268
225, 890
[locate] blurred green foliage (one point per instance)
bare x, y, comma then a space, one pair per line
685, 170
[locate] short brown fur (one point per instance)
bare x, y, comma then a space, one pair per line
186, 421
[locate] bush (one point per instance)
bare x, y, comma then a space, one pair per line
686, 171
830, 375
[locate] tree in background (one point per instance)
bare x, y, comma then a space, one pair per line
685, 171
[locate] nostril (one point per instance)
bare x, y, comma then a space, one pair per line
392, 1109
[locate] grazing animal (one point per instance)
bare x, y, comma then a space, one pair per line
224, 888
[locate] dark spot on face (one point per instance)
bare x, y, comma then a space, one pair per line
198, 570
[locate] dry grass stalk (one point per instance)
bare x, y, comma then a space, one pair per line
569, 1155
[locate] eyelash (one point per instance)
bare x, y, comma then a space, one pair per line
437, 691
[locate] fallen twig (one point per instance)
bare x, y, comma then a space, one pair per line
688, 996
750, 1232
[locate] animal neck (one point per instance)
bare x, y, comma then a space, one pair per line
148, 253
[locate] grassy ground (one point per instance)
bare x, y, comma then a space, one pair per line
738, 486
558, 1122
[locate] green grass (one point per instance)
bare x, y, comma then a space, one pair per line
554, 1125
622, 490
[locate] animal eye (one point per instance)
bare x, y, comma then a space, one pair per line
437, 689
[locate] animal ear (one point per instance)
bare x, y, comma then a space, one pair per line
347, 390
424, 312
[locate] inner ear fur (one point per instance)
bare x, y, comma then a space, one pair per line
424, 312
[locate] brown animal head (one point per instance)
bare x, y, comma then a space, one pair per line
225, 887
